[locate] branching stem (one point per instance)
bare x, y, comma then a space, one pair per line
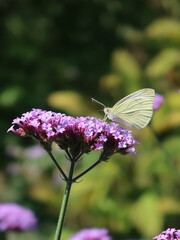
58, 166
87, 170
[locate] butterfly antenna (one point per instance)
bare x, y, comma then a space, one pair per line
94, 100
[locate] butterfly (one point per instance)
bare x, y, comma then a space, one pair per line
134, 110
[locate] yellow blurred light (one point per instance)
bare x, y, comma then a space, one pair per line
72, 103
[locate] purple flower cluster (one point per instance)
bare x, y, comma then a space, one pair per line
15, 217
91, 234
158, 100
169, 234
78, 135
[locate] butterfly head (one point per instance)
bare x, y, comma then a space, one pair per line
106, 111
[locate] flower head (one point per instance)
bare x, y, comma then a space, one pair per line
15, 217
91, 234
158, 100
79, 135
169, 234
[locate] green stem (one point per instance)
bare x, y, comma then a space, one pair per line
57, 165
64, 203
87, 170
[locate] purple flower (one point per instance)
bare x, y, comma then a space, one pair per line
79, 135
169, 234
91, 234
15, 217
158, 100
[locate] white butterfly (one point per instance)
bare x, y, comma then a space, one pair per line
134, 110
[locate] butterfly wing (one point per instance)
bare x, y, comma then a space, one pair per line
133, 112
145, 93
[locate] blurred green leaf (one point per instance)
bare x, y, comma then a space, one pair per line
164, 29
23, 52
172, 100
71, 102
163, 63
15, 25
146, 215
172, 147
130, 34
111, 84
168, 115
10, 96
128, 69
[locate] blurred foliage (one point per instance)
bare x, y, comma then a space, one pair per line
166, 60
57, 55
70, 101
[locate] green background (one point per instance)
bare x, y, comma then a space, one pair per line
56, 55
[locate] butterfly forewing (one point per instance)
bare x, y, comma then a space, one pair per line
146, 93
